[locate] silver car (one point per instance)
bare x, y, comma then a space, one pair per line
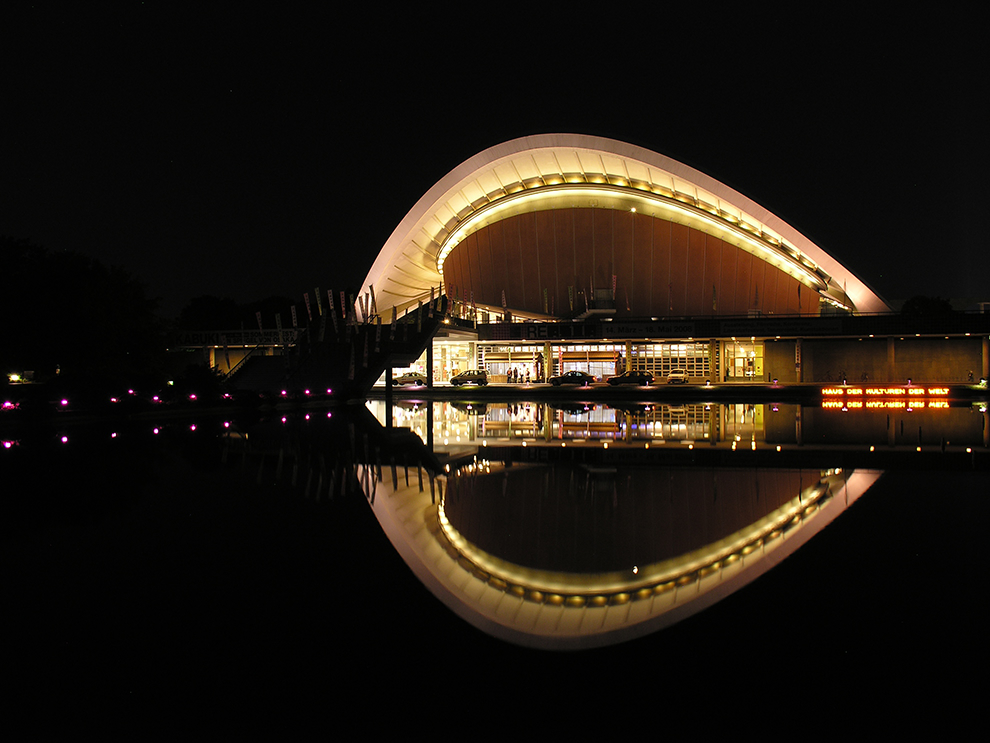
414, 378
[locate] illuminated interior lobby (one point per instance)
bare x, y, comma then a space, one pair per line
565, 251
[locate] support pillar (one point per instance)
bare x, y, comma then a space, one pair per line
388, 397
429, 424
714, 357
429, 364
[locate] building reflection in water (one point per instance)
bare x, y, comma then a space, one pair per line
569, 555
889, 422
583, 525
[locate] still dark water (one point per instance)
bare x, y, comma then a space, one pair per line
167, 571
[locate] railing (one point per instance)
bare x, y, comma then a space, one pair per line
236, 367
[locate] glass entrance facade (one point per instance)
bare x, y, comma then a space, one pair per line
744, 360
601, 360
517, 362
735, 360
451, 358
662, 358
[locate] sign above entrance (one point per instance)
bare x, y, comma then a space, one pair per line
652, 329
586, 331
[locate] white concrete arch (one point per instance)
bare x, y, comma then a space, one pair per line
529, 172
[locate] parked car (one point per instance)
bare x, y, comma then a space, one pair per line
677, 376
631, 377
571, 377
471, 376
414, 378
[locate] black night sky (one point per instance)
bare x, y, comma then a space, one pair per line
247, 153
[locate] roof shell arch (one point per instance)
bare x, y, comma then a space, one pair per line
520, 173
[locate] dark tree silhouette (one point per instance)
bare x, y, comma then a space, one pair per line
63, 310
211, 313
922, 306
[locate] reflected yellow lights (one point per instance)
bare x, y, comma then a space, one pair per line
646, 581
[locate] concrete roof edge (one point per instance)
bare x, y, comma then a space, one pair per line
865, 298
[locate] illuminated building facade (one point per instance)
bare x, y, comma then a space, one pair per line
615, 257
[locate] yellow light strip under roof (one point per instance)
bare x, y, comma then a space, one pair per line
586, 194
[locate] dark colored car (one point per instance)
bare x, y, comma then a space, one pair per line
471, 376
571, 377
632, 377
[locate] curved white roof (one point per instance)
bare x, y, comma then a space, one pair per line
559, 166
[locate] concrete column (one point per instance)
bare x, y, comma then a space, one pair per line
429, 366
986, 357
713, 371
388, 397
429, 423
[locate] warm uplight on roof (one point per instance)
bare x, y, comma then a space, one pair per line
524, 201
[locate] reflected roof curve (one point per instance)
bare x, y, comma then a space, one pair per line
548, 170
